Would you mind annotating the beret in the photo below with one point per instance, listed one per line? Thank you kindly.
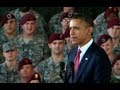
(109, 11)
(64, 15)
(6, 17)
(55, 36)
(112, 22)
(23, 62)
(27, 17)
(103, 38)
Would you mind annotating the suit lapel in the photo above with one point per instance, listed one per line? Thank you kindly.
(83, 63)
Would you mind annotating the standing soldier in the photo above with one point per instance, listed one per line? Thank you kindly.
(8, 69)
(105, 42)
(30, 44)
(52, 68)
(55, 23)
(21, 11)
(8, 31)
(100, 23)
(114, 31)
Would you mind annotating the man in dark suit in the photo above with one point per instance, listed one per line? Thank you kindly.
(94, 65)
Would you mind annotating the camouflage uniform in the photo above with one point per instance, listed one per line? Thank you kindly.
(54, 24)
(3, 39)
(41, 23)
(100, 27)
(36, 49)
(7, 75)
(114, 79)
(116, 50)
(50, 70)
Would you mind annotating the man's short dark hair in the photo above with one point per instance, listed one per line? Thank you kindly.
(88, 20)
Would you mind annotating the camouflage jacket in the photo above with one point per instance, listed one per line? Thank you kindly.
(3, 39)
(7, 75)
(50, 70)
(41, 23)
(100, 26)
(116, 50)
(36, 49)
(114, 79)
(54, 23)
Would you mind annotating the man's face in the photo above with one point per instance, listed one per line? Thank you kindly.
(65, 23)
(29, 27)
(57, 46)
(10, 55)
(108, 46)
(26, 71)
(10, 26)
(79, 32)
(114, 32)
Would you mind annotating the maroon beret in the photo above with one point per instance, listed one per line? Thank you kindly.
(64, 15)
(6, 17)
(55, 36)
(112, 22)
(27, 17)
(23, 62)
(67, 33)
(103, 38)
(116, 59)
(109, 11)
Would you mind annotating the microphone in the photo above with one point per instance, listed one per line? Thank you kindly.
(70, 71)
(62, 71)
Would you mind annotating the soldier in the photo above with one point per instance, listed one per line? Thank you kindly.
(115, 78)
(100, 23)
(27, 73)
(8, 31)
(8, 69)
(21, 11)
(114, 31)
(68, 43)
(50, 68)
(30, 44)
(55, 24)
(105, 42)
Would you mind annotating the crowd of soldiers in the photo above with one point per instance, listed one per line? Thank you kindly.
(31, 50)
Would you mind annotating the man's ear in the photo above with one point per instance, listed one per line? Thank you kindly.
(90, 30)
(49, 45)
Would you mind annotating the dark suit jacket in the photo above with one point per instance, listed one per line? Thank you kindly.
(95, 66)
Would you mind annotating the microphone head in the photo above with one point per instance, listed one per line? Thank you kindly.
(62, 65)
(71, 64)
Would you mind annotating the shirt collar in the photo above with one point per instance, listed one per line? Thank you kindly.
(86, 46)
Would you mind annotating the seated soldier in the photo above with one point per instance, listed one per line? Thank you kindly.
(27, 73)
(115, 78)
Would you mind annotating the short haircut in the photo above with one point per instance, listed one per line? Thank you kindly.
(86, 18)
